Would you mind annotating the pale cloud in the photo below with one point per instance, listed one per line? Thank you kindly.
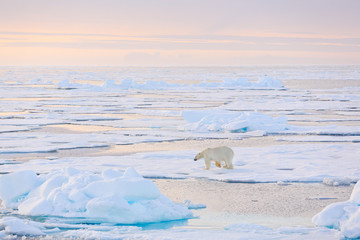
(179, 32)
(338, 44)
(169, 50)
(169, 41)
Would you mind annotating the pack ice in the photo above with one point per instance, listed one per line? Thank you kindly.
(264, 82)
(108, 197)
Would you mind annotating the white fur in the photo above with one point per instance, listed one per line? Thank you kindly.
(217, 155)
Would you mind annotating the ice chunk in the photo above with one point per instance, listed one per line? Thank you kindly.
(221, 120)
(344, 216)
(337, 181)
(109, 197)
(21, 227)
(351, 227)
(128, 83)
(14, 186)
(194, 205)
(110, 84)
(36, 207)
(332, 215)
(240, 82)
(282, 183)
(355, 195)
(269, 82)
(66, 84)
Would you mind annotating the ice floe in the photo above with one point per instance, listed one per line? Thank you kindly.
(286, 163)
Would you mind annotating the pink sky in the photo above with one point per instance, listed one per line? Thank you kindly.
(179, 32)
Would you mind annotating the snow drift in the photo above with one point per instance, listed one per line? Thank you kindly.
(110, 197)
(344, 216)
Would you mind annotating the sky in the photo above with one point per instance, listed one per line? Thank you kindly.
(179, 32)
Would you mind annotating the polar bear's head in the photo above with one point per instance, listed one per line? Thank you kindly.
(199, 156)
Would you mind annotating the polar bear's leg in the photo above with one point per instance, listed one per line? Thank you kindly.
(207, 164)
(218, 164)
(230, 166)
(228, 163)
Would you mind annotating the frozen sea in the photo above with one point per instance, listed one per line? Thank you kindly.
(286, 124)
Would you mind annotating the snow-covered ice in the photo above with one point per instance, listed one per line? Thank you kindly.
(287, 163)
(159, 103)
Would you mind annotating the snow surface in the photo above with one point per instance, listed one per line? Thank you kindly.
(288, 163)
(344, 216)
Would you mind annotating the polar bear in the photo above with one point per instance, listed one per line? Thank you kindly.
(217, 155)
